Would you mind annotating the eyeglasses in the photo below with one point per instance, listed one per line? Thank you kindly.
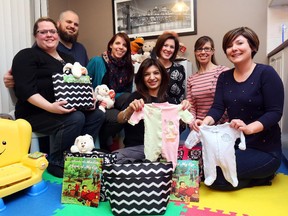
(45, 32)
(206, 49)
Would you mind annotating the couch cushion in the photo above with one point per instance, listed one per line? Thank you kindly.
(14, 173)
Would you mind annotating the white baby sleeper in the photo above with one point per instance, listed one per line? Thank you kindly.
(218, 150)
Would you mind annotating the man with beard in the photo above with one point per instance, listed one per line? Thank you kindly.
(68, 30)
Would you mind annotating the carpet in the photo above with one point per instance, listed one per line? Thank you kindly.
(256, 201)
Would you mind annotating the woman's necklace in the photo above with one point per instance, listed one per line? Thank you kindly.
(58, 57)
(243, 76)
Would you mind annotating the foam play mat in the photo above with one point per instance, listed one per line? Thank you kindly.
(256, 201)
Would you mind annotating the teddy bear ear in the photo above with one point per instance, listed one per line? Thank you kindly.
(97, 89)
(76, 140)
(90, 137)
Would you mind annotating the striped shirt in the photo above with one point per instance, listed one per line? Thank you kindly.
(201, 90)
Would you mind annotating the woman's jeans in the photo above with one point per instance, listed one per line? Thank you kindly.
(252, 166)
(64, 128)
(130, 154)
(111, 126)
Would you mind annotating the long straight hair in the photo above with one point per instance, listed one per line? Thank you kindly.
(140, 84)
(161, 41)
(127, 56)
(200, 43)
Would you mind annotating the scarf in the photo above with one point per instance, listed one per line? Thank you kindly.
(118, 73)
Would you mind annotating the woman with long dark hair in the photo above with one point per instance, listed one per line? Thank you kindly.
(113, 68)
(152, 81)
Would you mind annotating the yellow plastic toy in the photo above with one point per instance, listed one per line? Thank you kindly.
(18, 169)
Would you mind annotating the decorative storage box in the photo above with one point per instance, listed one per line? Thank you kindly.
(138, 188)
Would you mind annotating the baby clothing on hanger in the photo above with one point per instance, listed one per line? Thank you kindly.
(218, 150)
(161, 122)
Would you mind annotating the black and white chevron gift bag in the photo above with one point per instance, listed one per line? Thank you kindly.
(78, 94)
(138, 188)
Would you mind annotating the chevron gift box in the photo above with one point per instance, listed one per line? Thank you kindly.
(138, 188)
(78, 92)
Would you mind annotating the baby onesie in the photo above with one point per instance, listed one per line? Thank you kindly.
(218, 150)
(161, 135)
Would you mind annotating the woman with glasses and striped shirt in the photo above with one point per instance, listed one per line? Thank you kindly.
(201, 85)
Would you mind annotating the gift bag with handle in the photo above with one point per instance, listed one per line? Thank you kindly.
(75, 89)
(138, 187)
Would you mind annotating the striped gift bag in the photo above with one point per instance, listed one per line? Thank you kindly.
(77, 92)
(138, 188)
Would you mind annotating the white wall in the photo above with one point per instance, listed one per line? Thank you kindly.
(277, 16)
(16, 19)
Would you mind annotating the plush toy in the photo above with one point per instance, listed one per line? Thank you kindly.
(147, 49)
(137, 58)
(77, 70)
(105, 96)
(83, 144)
(136, 45)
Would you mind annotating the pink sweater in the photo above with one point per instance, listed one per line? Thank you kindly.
(201, 90)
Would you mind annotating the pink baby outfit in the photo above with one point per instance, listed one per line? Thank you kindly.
(161, 136)
(218, 150)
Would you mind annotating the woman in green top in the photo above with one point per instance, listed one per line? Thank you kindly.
(115, 69)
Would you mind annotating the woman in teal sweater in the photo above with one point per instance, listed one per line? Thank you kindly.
(115, 69)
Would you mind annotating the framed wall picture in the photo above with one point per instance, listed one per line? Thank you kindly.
(150, 18)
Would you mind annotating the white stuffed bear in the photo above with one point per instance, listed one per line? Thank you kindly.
(76, 69)
(147, 49)
(105, 96)
(137, 57)
(83, 144)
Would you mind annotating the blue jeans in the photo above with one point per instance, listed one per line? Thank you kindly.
(111, 126)
(63, 129)
(252, 165)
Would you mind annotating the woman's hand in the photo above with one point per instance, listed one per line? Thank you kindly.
(196, 124)
(251, 128)
(185, 105)
(237, 124)
(8, 79)
(136, 105)
(208, 120)
(57, 108)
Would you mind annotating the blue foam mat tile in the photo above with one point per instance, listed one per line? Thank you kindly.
(43, 204)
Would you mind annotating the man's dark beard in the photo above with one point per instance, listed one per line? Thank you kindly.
(66, 37)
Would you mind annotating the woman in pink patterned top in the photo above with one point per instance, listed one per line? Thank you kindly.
(201, 85)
